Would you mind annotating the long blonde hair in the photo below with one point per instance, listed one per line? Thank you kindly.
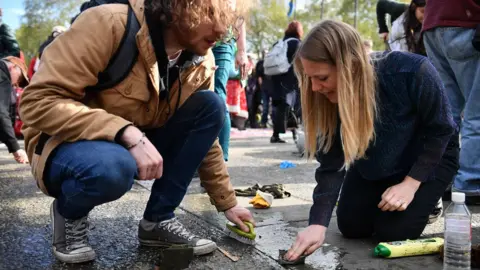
(340, 45)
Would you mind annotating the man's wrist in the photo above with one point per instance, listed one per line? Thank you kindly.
(118, 136)
(130, 136)
(230, 207)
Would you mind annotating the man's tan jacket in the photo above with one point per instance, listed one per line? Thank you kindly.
(55, 108)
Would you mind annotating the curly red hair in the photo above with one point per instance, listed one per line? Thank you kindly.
(189, 14)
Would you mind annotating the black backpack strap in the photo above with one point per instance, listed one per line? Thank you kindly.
(124, 58)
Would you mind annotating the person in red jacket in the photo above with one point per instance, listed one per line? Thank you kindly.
(31, 67)
(451, 35)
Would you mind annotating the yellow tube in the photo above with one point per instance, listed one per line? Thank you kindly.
(408, 248)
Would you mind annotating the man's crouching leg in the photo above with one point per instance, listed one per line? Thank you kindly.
(183, 142)
(82, 175)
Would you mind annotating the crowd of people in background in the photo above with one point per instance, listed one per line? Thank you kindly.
(14, 77)
(256, 100)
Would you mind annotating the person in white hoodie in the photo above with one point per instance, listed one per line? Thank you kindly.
(56, 31)
(405, 33)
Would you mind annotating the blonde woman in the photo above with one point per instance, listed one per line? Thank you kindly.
(384, 129)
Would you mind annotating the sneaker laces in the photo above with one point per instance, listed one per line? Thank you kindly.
(174, 226)
(76, 233)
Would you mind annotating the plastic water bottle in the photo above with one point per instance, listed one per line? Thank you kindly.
(458, 234)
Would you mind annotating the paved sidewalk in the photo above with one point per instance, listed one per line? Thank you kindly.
(25, 230)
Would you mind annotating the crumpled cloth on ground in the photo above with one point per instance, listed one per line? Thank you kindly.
(262, 200)
(276, 190)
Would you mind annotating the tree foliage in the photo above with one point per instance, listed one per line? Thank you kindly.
(269, 18)
(266, 24)
(39, 19)
(366, 19)
(316, 11)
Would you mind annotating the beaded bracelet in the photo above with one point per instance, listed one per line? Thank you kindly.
(139, 141)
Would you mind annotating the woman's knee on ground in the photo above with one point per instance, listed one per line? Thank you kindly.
(352, 226)
(397, 231)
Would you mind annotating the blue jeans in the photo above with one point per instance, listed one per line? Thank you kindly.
(451, 52)
(84, 174)
(223, 60)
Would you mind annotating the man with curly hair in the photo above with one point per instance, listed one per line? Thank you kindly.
(161, 122)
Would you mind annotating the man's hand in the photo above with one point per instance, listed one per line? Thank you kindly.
(20, 156)
(241, 61)
(399, 197)
(149, 161)
(307, 242)
(238, 215)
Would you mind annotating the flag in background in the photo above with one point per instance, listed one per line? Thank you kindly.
(290, 8)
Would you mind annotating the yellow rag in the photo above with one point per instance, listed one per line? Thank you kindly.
(262, 200)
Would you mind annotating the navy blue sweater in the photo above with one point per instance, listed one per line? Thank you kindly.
(413, 127)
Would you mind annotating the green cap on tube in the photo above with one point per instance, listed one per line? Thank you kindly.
(381, 251)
